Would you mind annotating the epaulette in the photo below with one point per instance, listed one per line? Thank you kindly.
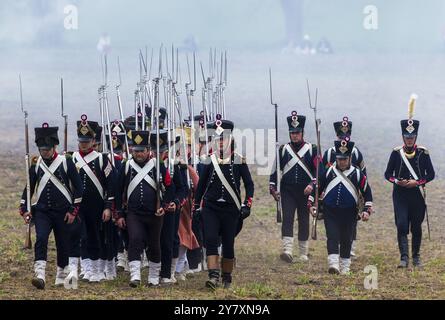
(398, 148)
(34, 160)
(69, 152)
(424, 149)
(68, 156)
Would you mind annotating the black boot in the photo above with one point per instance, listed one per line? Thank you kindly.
(213, 281)
(403, 248)
(415, 247)
(227, 266)
(227, 280)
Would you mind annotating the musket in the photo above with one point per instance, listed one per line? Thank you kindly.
(65, 117)
(141, 91)
(224, 84)
(317, 129)
(119, 104)
(28, 242)
(158, 156)
(277, 150)
(107, 113)
(204, 108)
(426, 213)
(190, 94)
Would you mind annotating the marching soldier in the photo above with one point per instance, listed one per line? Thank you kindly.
(56, 183)
(341, 185)
(111, 238)
(138, 208)
(195, 259)
(96, 172)
(218, 197)
(170, 224)
(409, 169)
(187, 237)
(184, 238)
(343, 129)
(298, 161)
(118, 237)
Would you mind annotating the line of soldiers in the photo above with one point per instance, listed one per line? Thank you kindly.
(345, 193)
(104, 210)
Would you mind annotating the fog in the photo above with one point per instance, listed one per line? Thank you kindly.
(369, 77)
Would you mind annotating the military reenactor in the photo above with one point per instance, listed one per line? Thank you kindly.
(111, 238)
(343, 129)
(204, 148)
(188, 242)
(297, 160)
(341, 184)
(218, 197)
(409, 169)
(138, 208)
(170, 224)
(58, 189)
(96, 172)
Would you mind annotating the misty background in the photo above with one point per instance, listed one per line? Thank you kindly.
(369, 77)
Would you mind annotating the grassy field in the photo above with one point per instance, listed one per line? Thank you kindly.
(259, 274)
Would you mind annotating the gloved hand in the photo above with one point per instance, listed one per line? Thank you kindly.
(245, 211)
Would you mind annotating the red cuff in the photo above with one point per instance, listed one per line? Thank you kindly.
(362, 183)
(74, 211)
(167, 179)
(421, 182)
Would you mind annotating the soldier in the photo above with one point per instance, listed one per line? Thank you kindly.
(189, 243)
(110, 241)
(197, 258)
(96, 172)
(138, 207)
(343, 129)
(298, 161)
(341, 185)
(58, 189)
(119, 236)
(409, 169)
(170, 224)
(218, 197)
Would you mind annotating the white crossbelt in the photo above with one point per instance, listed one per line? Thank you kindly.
(142, 174)
(82, 163)
(408, 165)
(224, 181)
(339, 179)
(49, 176)
(295, 160)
